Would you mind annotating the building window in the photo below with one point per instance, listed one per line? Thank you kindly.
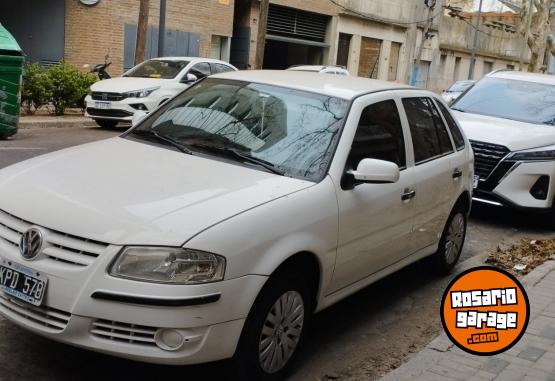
(488, 67)
(457, 72)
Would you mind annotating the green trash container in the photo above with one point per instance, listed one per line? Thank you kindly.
(12, 61)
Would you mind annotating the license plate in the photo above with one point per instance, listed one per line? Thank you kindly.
(475, 182)
(22, 282)
(103, 105)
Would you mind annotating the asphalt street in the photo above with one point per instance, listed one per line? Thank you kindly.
(360, 338)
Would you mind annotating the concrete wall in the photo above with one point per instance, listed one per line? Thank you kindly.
(365, 28)
(93, 32)
(495, 50)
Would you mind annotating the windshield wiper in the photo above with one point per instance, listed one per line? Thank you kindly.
(161, 138)
(244, 157)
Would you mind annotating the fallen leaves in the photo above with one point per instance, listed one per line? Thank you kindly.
(522, 257)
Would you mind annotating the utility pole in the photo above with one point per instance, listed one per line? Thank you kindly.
(261, 36)
(429, 21)
(141, 32)
(162, 29)
(475, 43)
(528, 25)
(411, 42)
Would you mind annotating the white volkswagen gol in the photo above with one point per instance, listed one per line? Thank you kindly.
(220, 223)
(146, 86)
(509, 118)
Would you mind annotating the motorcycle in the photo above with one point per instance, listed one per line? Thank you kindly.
(100, 69)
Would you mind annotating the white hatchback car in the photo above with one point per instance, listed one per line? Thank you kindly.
(146, 86)
(509, 118)
(220, 223)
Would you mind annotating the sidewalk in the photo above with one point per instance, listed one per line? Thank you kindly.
(532, 358)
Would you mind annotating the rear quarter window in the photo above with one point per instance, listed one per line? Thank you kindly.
(453, 127)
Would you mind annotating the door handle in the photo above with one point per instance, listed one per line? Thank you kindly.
(457, 173)
(408, 194)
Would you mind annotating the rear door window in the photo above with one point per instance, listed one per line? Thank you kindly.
(429, 135)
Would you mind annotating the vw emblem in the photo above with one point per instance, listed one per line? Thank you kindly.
(30, 244)
(104, 96)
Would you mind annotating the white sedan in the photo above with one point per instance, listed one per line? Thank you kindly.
(223, 220)
(146, 86)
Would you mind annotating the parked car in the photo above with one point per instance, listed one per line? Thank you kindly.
(221, 222)
(323, 69)
(509, 118)
(455, 90)
(147, 86)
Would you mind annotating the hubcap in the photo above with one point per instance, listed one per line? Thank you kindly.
(454, 239)
(281, 332)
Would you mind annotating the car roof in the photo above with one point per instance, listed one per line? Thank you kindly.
(524, 76)
(331, 85)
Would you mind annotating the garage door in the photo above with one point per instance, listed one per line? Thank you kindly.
(369, 57)
(38, 27)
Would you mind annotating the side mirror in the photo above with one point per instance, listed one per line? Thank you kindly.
(137, 117)
(376, 172)
(190, 78)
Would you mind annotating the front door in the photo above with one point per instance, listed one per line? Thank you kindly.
(375, 220)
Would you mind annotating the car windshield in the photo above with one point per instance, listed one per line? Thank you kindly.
(290, 131)
(522, 101)
(165, 69)
(459, 87)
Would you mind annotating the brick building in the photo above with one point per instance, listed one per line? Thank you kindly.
(51, 30)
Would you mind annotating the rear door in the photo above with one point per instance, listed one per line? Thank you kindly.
(434, 167)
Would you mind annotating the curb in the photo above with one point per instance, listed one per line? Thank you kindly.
(26, 123)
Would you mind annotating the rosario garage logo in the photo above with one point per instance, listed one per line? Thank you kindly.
(485, 311)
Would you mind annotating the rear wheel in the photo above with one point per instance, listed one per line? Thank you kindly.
(451, 242)
(274, 329)
(105, 123)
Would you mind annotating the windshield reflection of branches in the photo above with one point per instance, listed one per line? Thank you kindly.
(308, 144)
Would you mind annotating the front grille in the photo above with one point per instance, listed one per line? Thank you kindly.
(124, 332)
(57, 247)
(108, 113)
(486, 157)
(45, 316)
(105, 96)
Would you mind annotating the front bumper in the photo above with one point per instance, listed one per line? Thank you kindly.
(510, 185)
(206, 331)
(122, 111)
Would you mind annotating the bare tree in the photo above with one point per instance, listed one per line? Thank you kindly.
(537, 33)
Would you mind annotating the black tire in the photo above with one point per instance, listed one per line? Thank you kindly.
(247, 359)
(444, 260)
(106, 123)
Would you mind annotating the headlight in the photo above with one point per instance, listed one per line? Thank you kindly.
(542, 154)
(168, 265)
(140, 93)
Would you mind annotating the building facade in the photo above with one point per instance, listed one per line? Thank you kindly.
(51, 30)
(392, 40)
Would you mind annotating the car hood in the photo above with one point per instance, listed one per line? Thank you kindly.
(509, 133)
(124, 84)
(125, 192)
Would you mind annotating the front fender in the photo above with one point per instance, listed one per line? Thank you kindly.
(258, 241)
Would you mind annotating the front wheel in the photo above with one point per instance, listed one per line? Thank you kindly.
(274, 329)
(451, 242)
(105, 123)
